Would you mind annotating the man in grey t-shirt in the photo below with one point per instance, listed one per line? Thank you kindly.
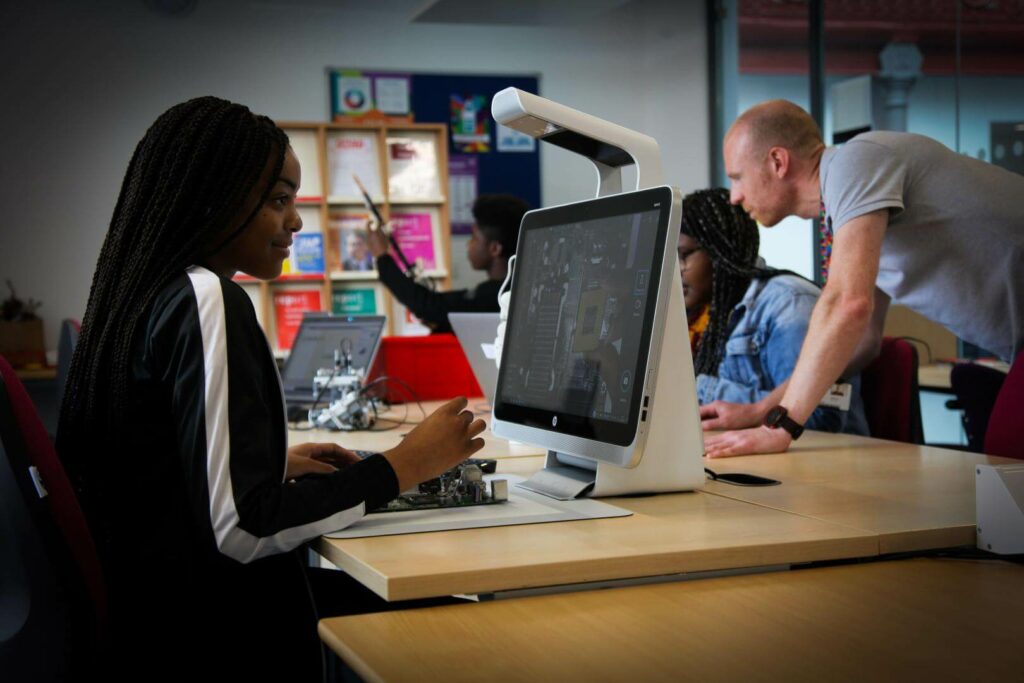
(914, 223)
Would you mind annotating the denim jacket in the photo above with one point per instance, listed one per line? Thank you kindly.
(767, 329)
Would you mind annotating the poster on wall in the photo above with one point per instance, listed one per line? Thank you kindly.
(412, 167)
(354, 301)
(289, 307)
(353, 95)
(349, 249)
(360, 95)
(414, 233)
(511, 140)
(307, 258)
(392, 94)
(353, 153)
(470, 123)
(462, 191)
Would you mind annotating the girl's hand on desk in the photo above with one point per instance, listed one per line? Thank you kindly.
(317, 458)
(442, 441)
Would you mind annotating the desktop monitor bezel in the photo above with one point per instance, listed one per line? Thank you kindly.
(619, 436)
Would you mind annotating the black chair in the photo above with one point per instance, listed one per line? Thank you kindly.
(976, 387)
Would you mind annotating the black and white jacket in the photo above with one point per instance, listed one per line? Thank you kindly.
(210, 388)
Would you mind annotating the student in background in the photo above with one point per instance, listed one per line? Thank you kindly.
(493, 242)
(173, 428)
(747, 322)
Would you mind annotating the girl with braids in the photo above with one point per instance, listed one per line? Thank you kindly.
(747, 322)
(173, 424)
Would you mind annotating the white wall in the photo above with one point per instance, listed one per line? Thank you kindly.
(82, 81)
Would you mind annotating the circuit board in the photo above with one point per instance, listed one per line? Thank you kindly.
(461, 486)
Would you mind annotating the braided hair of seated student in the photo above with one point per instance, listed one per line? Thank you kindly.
(184, 197)
(730, 238)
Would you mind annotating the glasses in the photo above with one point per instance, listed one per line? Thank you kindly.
(684, 257)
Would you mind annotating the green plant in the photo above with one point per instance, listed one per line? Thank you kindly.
(14, 309)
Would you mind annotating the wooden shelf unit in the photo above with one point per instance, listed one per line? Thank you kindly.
(312, 139)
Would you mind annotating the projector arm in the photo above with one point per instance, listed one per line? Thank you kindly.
(609, 146)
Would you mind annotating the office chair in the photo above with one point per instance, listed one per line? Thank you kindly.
(1005, 435)
(889, 388)
(69, 330)
(54, 608)
(976, 387)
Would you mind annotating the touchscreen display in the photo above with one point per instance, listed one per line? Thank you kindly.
(577, 320)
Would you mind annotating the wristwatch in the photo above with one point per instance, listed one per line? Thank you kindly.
(779, 417)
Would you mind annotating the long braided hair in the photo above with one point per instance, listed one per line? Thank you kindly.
(183, 198)
(729, 237)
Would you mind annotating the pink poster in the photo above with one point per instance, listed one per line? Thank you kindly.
(414, 233)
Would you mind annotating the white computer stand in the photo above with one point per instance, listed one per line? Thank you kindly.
(672, 438)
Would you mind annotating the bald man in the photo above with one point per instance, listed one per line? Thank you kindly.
(914, 223)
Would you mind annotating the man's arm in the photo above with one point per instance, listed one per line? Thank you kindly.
(871, 342)
(839, 322)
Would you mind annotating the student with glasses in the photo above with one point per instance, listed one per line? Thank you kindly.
(747, 322)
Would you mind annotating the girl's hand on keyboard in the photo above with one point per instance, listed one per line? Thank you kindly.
(317, 458)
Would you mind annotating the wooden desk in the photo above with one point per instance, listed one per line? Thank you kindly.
(667, 534)
(934, 377)
(912, 497)
(843, 497)
(908, 620)
(937, 377)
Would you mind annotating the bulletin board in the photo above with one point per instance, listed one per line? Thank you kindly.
(483, 157)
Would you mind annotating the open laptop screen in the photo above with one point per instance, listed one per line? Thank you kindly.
(317, 340)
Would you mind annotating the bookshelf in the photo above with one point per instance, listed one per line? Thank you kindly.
(405, 169)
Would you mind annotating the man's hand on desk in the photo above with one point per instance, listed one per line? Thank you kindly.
(747, 442)
(724, 415)
(442, 441)
(317, 458)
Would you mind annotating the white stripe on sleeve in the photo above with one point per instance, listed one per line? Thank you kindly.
(231, 540)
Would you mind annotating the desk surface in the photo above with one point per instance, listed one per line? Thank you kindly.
(912, 497)
(936, 377)
(858, 622)
(842, 497)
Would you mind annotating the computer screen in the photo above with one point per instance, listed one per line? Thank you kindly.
(585, 288)
(317, 340)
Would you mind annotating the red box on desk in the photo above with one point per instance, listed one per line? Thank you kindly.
(434, 367)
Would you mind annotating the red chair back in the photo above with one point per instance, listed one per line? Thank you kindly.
(1005, 435)
(27, 444)
(889, 388)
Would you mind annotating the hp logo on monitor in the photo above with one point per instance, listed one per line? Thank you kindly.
(554, 421)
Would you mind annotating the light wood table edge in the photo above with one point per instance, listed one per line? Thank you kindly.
(363, 573)
(365, 667)
(927, 539)
(342, 650)
(511, 579)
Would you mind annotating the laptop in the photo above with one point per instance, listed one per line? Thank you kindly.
(476, 333)
(314, 346)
